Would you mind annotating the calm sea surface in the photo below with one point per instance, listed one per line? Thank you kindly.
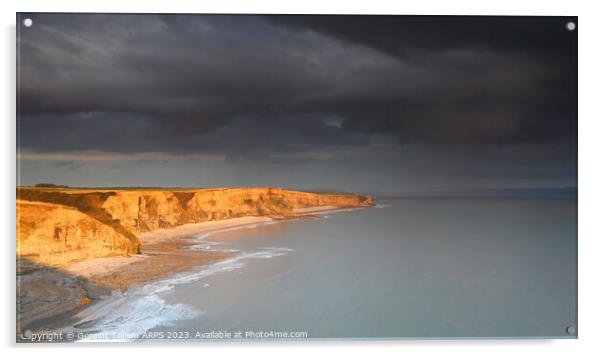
(411, 268)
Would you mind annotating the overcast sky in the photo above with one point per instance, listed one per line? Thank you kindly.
(379, 104)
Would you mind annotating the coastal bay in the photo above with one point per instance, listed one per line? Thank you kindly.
(50, 295)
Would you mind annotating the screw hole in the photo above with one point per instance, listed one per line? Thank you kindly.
(27, 22)
(571, 26)
(570, 330)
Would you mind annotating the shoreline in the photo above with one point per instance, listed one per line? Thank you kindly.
(48, 297)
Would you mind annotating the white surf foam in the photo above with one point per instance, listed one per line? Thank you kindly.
(239, 227)
(211, 246)
(128, 316)
(381, 206)
(142, 315)
(214, 246)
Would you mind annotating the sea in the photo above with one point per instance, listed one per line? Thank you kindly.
(412, 268)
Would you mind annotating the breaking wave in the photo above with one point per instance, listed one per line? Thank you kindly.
(127, 316)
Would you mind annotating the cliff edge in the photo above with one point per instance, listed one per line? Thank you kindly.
(56, 226)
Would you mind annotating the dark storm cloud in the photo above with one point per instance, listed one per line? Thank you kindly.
(400, 36)
(247, 85)
(498, 79)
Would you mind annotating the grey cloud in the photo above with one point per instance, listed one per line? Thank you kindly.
(189, 75)
(301, 88)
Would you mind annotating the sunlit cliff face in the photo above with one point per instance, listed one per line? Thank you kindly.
(55, 227)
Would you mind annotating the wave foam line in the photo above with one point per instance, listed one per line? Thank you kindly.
(140, 309)
(213, 246)
(206, 234)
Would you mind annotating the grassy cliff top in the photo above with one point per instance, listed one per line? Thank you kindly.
(76, 190)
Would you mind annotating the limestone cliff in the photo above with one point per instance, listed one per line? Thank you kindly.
(57, 226)
(141, 211)
(52, 234)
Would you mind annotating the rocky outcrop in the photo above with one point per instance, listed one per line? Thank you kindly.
(61, 225)
(54, 235)
(140, 211)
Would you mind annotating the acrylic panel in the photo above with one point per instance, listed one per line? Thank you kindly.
(197, 177)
